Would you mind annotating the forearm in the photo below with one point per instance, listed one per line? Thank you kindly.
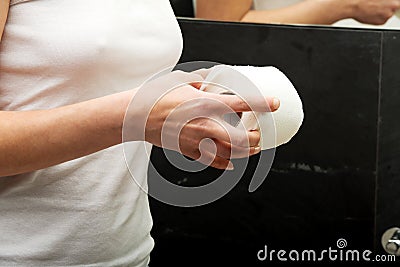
(32, 140)
(222, 10)
(306, 12)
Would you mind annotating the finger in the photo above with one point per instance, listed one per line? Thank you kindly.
(210, 159)
(222, 164)
(395, 5)
(254, 138)
(237, 104)
(223, 131)
(228, 151)
(216, 161)
(251, 138)
(196, 85)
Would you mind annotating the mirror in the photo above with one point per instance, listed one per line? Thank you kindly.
(374, 14)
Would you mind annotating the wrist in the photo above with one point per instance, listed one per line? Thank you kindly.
(348, 8)
(339, 9)
(121, 104)
(109, 112)
(131, 115)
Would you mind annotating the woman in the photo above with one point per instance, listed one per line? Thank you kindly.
(67, 73)
(298, 11)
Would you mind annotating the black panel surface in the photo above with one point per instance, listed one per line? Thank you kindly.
(322, 184)
(388, 182)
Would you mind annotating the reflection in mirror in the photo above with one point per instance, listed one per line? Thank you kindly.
(340, 13)
(183, 8)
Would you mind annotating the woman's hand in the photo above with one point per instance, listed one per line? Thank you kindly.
(373, 11)
(191, 122)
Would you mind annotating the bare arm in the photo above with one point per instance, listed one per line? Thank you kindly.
(305, 12)
(4, 5)
(225, 10)
(32, 140)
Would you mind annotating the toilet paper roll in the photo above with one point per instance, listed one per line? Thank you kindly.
(277, 127)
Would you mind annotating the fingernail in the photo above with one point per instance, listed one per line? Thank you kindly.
(276, 103)
(230, 167)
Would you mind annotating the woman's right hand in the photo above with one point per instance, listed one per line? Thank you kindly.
(375, 12)
(191, 122)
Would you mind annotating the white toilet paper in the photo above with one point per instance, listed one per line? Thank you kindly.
(277, 127)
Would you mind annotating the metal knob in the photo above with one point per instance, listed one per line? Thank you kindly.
(391, 241)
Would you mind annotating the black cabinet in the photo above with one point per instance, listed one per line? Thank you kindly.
(339, 178)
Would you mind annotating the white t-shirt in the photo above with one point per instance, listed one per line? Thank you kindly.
(89, 211)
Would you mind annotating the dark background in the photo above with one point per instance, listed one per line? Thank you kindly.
(339, 176)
